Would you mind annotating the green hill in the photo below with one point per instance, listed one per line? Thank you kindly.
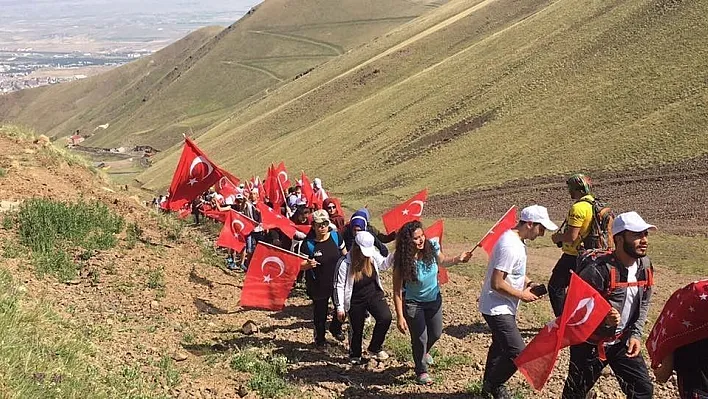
(470, 94)
(207, 76)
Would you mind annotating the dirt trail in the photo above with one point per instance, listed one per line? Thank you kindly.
(197, 312)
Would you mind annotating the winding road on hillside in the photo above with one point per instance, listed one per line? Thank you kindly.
(334, 48)
(254, 68)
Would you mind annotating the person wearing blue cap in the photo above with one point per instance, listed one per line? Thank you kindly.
(360, 222)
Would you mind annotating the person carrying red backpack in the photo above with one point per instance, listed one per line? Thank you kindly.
(625, 278)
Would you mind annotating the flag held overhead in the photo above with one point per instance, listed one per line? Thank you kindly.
(406, 212)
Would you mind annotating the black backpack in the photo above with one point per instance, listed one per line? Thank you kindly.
(600, 234)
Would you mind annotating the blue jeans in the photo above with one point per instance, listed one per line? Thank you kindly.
(424, 321)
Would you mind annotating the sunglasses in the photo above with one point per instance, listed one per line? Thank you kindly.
(331, 207)
(323, 224)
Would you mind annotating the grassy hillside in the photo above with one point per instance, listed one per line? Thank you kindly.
(210, 75)
(478, 93)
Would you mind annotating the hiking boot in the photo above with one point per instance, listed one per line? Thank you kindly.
(321, 346)
(356, 361)
(499, 392)
(380, 355)
(338, 335)
(424, 379)
(428, 359)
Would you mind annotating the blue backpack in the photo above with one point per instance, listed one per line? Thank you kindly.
(310, 242)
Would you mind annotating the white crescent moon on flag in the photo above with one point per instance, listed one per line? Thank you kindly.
(282, 172)
(420, 204)
(197, 161)
(223, 181)
(277, 261)
(239, 223)
(589, 305)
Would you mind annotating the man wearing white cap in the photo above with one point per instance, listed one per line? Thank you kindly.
(505, 285)
(625, 279)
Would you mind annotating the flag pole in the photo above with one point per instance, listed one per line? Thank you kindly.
(284, 250)
(282, 192)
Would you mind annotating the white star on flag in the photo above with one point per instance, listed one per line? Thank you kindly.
(687, 323)
(691, 309)
(552, 325)
(703, 297)
(192, 181)
(267, 279)
(663, 331)
(405, 211)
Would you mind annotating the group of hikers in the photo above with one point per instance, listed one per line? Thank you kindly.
(345, 260)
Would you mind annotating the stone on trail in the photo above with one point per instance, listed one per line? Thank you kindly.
(179, 356)
(249, 327)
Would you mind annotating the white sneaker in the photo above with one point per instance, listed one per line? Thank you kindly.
(381, 355)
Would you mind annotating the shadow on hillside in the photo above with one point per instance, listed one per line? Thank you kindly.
(461, 331)
(290, 327)
(302, 312)
(359, 379)
(208, 308)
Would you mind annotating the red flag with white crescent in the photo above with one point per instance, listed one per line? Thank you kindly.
(583, 312)
(434, 232)
(270, 277)
(406, 212)
(683, 321)
(194, 174)
(271, 219)
(307, 192)
(235, 230)
(227, 185)
(282, 175)
(506, 222)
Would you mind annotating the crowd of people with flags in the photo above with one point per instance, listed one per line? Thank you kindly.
(280, 232)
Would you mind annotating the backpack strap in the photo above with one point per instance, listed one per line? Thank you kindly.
(335, 237)
(647, 282)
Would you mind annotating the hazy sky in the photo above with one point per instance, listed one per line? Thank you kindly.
(67, 22)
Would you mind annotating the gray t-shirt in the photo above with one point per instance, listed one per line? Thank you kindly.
(508, 255)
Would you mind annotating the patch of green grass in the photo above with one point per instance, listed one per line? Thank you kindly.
(54, 229)
(685, 255)
(171, 226)
(169, 371)
(450, 361)
(8, 221)
(267, 372)
(43, 355)
(3, 172)
(156, 279)
(474, 388)
(399, 346)
(133, 234)
(11, 249)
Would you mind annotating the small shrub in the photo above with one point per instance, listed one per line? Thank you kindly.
(8, 221)
(133, 234)
(3, 172)
(11, 249)
(267, 372)
(156, 279)
(171, 226)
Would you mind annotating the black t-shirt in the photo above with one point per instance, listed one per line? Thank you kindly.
(365, 288)
(321, 278)
(691, 365)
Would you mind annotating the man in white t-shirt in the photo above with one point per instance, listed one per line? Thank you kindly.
(505, 285)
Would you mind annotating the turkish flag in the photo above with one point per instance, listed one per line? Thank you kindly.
(406, 212)
(183, 213)
(194, 174)
(282, 174)
(583, 312)
(236, 228)
(227, 185)
(307, 191)
(270, 277)
(434, 232)
(215, 214)
(683, 321)
(500, 227)
(274, 220)
(274, 187)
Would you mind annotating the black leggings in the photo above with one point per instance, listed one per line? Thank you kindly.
(320, 308)
(377, 306)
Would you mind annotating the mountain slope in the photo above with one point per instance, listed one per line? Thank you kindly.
(513, 89)
(209, 79)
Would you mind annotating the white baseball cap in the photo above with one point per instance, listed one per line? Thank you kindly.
(365, 241)
(538, 214)
(630, 221)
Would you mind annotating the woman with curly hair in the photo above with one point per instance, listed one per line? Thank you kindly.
(416, 293)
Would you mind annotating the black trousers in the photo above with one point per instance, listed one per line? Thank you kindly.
(585, 368)
(560, 279)
(377, 306)
(320, 308)
(507, 344)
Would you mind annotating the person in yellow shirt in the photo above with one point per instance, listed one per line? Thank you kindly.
(577, 226)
